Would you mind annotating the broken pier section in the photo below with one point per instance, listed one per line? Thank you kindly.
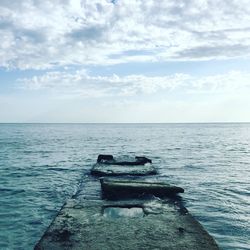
(128, 209)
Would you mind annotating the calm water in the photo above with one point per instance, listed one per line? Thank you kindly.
(41, 166)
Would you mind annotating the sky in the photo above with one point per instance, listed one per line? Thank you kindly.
(124, 61)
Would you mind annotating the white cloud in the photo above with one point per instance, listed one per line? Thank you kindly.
(42, 34)
(81, 84)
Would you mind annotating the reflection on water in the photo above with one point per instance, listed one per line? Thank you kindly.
(41, 165)
(118, 212)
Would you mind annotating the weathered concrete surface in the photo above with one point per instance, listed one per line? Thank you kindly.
(88, 222)
(83, 224)
(128, 188)
(116, 170)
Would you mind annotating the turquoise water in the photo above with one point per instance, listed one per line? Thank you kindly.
(41, 165)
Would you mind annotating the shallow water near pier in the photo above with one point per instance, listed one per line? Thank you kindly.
(118, 212)
(41, 166)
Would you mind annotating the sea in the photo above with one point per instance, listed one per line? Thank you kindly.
(41, 166)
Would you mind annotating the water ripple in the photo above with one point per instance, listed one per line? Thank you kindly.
(41, 165)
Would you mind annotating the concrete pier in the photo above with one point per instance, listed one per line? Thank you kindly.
(146, 218)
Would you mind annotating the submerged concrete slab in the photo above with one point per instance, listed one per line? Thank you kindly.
(130, 188)
(155, 224)
(117, 170)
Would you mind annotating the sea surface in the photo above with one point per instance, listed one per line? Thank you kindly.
(41, 166)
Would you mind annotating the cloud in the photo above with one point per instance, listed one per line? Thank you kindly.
(225, 51)
(44, 34)
(82, 85)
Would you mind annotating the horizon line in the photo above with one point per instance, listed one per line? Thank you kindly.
(216, 122)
